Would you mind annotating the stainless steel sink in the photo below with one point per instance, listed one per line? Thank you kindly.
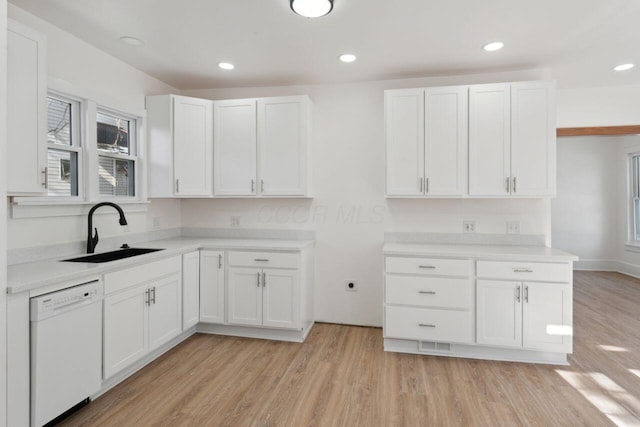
(113, 255)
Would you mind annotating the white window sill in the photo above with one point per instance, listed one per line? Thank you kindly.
(25, 208)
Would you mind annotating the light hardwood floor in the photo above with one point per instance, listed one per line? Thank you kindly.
(341, 377)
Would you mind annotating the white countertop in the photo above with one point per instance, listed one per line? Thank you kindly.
(498, 252)
(33, 275)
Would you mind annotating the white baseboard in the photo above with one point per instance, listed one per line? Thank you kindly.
(621, 267)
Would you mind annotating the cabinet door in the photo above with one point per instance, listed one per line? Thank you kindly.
(499, 313)
(165, 311)
(245, 296)
(489, 140)
(212, 287)
(235, 148)
(533, 138)
(27, 111)
(446, 141)
(193, 146)
(190, 289)
(547, 321)
(283, 132)
(404, 134)
(125, 329)
(281, 299)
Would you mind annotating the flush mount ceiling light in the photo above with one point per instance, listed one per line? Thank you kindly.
(226, 66)
(623, 67)
(131, 41)
(493, 46)
(311, 8)
(347, 57)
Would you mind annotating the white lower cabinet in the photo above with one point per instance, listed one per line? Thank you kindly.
(140, 317)
(190, 289)
(212, 285)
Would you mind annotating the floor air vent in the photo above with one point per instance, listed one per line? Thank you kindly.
(431, 346)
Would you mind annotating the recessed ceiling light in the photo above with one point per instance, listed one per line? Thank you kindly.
(311, 8)
(493, 46)
(131, 41)
(347, 57)
(623, 67)
(226, 66)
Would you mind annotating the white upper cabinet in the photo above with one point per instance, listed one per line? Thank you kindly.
(512, 140)
(446, 136)
(26, 112)
(404, 133)
(180, 139)
(489, 140)
(533, 139)
(283, 134)
(235, 148)
(426, 136)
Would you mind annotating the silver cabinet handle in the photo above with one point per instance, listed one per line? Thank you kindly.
(45, 178)
(261, 259)
(427, 292)
(264, 279)
(426, 325)
(426, 185)
(427, 266)
(262, 185)
(522, 270)
(526, 294)
(421, 186)
(518, 294)
(258, 279)
(508, 187)
(219, 261)
(253, 185)
(514, 184)
(177, 185)
(147, 297)
(153, 295)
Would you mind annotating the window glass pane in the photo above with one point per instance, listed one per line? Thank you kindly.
(116, 177)
(62, 173)
(58, 121)
(636, 218)
(113, 133)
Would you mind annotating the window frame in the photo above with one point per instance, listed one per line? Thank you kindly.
(134, 150)
(633, 198)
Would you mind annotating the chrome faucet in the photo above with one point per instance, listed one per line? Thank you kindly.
(92, 241)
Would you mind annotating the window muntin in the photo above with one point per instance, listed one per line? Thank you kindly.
(634, 222)
(64, 153)
(116, 143)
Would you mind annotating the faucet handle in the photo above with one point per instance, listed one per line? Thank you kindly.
(95, 238)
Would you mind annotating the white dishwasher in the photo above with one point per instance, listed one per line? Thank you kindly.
(66, 350)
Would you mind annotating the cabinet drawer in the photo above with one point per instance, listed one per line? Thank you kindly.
(264, 259)
(432, 266)
(429, 324)
(128, 277)
(523, 271)
(426, 291)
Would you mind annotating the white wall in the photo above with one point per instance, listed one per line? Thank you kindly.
(3, 212)
(585, 213)
(349, 211)
(78, 68)
(600, 106)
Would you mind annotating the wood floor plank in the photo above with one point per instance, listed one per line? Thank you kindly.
(341, 377)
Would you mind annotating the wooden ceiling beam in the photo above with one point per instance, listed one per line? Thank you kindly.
(599, 130)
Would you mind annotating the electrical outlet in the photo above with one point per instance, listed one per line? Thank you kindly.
(235, 221)
(513, 227)
(351, 285)
(468, 226)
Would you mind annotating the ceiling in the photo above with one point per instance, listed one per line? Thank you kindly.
(579, 41)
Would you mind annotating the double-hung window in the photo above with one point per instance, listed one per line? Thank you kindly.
(634, 201)
(64, 153)
(117, 154)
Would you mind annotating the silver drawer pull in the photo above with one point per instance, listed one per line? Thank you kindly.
(426, 325)
(427, 292)
(261, 260)
(522, 270)
(426, 266)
